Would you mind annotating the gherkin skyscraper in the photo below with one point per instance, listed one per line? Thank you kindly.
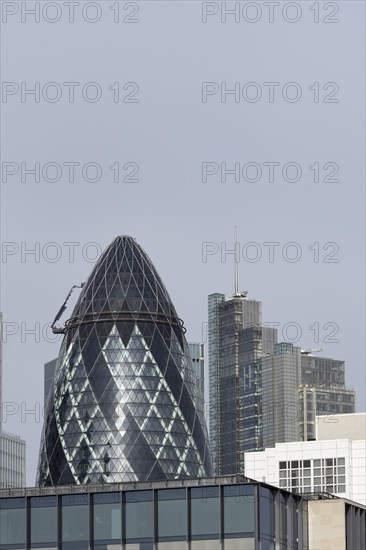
(125, 405)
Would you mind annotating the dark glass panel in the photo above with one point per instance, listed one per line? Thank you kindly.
(75, 521)
(139, 516)
(107, 517)
(266, 512)
(43, 522)
(12, 521)
(172, 514)
(239, 506)
(205, 510)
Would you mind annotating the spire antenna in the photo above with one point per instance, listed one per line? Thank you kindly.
(236, 263)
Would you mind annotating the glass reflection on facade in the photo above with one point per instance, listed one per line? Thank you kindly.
(227, 513)
(106, 519)
(43, 529)
(205, 513)
(125, 404)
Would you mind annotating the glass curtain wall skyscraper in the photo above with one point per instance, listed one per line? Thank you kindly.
(198, 361)
(237, 340)
(263, 392)
(125, 404)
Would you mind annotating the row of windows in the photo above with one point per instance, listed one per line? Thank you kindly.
(326, 474)
(136, 515)
(327, 463)
(145, 516)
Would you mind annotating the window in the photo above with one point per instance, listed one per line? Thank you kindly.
(139, 516)
(12, 521)
(266, 509)
(205, 518)
(239, 503)
(43, 522)
(75, 522)
(283, 520)
(172, 514)
(107, 517)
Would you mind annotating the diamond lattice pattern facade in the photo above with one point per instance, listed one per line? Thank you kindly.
(124, 405)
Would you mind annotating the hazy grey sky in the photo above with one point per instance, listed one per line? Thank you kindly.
(168, 132)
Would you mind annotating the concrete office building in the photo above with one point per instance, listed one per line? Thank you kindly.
(322, 392)
(12, 471)
(296, 387)
(335, 463)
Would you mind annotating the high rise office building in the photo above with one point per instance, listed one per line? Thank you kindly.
(12, 447)
(125, 404)
(198, 360)
(263, 392)
(237, 341)
(281, 376)
(322, 392)
(12, 470)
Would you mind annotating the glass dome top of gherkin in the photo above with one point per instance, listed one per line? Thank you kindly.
(125, 405)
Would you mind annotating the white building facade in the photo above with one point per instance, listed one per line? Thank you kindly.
(12, 447)
(336, 466)
(12, 460)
